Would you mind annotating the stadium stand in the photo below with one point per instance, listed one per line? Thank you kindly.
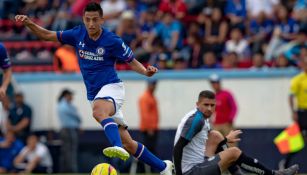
(245, 27)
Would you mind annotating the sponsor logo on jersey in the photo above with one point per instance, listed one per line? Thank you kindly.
(90, 55)
(81, 44)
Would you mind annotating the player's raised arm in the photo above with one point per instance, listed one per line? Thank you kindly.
(138, 67)
(37, 30)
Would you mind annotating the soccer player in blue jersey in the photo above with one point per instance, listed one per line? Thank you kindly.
(97, 50)
(5, 65)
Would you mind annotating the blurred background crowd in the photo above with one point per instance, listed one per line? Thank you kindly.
(172, 34)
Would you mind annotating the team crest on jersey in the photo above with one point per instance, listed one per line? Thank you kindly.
(100, 51)
(81, 53)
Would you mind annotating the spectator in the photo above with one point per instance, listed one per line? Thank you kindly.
(162, 62)
(169, 30)
(112, 9)
(286, 24)
(19, 119)
(258, 62)
(9, 148)
(177, 8)
(236, 12)
(281, 62)
(216, 31)
(179, 62)
(70, 122)
(237, 44)
(300, 11)
(255, 8)
(230, 60)
(149, 116)
(260, 30)
(148, 23)
(129, 31)
(65, 60)
(195, 50)
(226, 107)
(210, 61)
(34, 157)
(209, 5)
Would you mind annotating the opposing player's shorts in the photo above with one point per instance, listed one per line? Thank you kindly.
(114, 92)
(209, 166)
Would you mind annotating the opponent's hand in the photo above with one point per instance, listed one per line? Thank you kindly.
(151, 70)
(23, 18)
(233, 136)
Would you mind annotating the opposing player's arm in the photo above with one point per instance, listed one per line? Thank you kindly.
(177, 154)
(37, 30)
(139, 68)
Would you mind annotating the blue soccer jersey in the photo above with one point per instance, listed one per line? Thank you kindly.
(96, 58)
(4, 59)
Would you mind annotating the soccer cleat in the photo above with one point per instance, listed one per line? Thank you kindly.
(116, 151)
(168, 169)
(289, 171)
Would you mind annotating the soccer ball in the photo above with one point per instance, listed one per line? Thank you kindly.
(104, 169)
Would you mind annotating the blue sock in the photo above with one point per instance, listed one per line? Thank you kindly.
(144, 155)
(111, 130)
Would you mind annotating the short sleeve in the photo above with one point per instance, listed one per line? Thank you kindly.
(4, 59)
(192, 126)
(69, 36)
(122, 52)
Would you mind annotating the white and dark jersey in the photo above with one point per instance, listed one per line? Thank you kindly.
(194, 128)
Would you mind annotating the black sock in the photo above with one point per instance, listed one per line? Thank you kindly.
(288, 159)
(233, 169)
(252, 165)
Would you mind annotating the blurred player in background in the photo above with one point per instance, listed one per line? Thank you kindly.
(298, 96)
(97, 50)
(200, 150)
(226, 107)
(149, 117)
(70, 121)
(5, 65)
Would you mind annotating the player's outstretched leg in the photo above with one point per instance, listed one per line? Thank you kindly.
(236, 156)
(102, 110)
(140, 152)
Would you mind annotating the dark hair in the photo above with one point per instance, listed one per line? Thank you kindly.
(206, 94)
(93, 7)
(64, 93)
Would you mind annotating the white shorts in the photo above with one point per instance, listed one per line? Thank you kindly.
(114, 92)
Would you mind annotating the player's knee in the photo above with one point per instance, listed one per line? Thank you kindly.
(216, 136)
(235, 153)
(99, 114)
